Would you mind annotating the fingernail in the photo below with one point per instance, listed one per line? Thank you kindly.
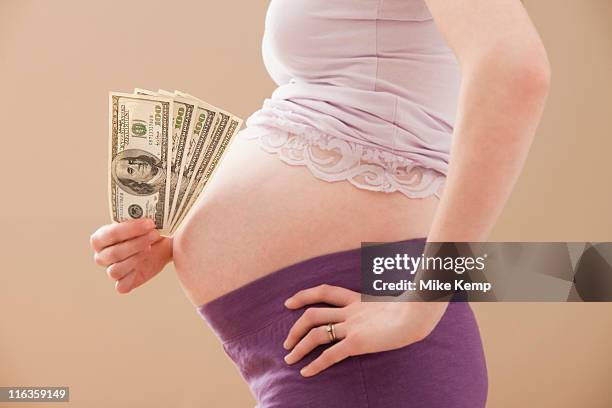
(304, 372)
(286, 345)
(288, 302)
(150, 222)
(287, 359)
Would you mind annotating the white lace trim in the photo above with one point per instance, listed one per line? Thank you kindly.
(333, 159)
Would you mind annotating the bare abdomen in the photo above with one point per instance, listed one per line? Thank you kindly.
(259, 214)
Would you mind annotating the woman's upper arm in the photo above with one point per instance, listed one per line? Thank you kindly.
(478, 30)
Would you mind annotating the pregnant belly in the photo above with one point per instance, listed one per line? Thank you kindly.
(259, 215)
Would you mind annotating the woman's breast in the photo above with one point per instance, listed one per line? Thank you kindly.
(321, 41)
(259, 214)
(390, 47)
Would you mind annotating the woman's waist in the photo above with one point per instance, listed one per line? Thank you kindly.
(262, 299)
(408, 133)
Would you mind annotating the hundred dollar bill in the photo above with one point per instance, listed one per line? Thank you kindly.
(140, 144)
(203, 157)
(216, 133)
(219, 133)
(210, 148)
(206, 168)
(205, 122)
(184, 109)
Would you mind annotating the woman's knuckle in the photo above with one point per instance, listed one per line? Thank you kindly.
(304, 346)
(99, 259)
(353, 308)
(112, 254)
(93, 240)
(111, 234)
(143, 242)
(355, 340)
(112, 271)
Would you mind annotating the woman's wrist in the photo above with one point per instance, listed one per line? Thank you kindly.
(421, 317)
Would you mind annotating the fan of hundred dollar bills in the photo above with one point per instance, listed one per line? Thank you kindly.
(164, 149)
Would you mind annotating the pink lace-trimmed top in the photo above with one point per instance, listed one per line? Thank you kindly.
(367, 93)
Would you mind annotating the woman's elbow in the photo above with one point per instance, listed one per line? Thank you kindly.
(532, 75)
(520, 74)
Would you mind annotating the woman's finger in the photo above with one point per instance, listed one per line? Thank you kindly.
(315, 337)
(333, 295)
(328, 358)
(312, 317)
(120, 269)
(112, 234)
(127, 283)
(124, 250)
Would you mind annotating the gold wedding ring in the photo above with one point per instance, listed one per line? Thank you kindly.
(331, 332)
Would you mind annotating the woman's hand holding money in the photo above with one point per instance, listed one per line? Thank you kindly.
(133, 252)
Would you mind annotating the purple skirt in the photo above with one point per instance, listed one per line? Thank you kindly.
(445, 370)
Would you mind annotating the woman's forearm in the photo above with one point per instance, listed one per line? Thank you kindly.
(500, 106)
(505, 74)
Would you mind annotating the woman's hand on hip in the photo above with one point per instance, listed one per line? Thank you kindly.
(133, 252)
(360, 327)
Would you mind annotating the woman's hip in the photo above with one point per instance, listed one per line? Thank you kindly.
(447, 369)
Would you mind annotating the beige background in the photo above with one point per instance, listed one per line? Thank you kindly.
(61, 322)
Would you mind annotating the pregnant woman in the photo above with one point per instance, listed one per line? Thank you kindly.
(393, 121)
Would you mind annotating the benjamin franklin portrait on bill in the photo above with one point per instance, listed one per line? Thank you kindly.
(138, 172)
